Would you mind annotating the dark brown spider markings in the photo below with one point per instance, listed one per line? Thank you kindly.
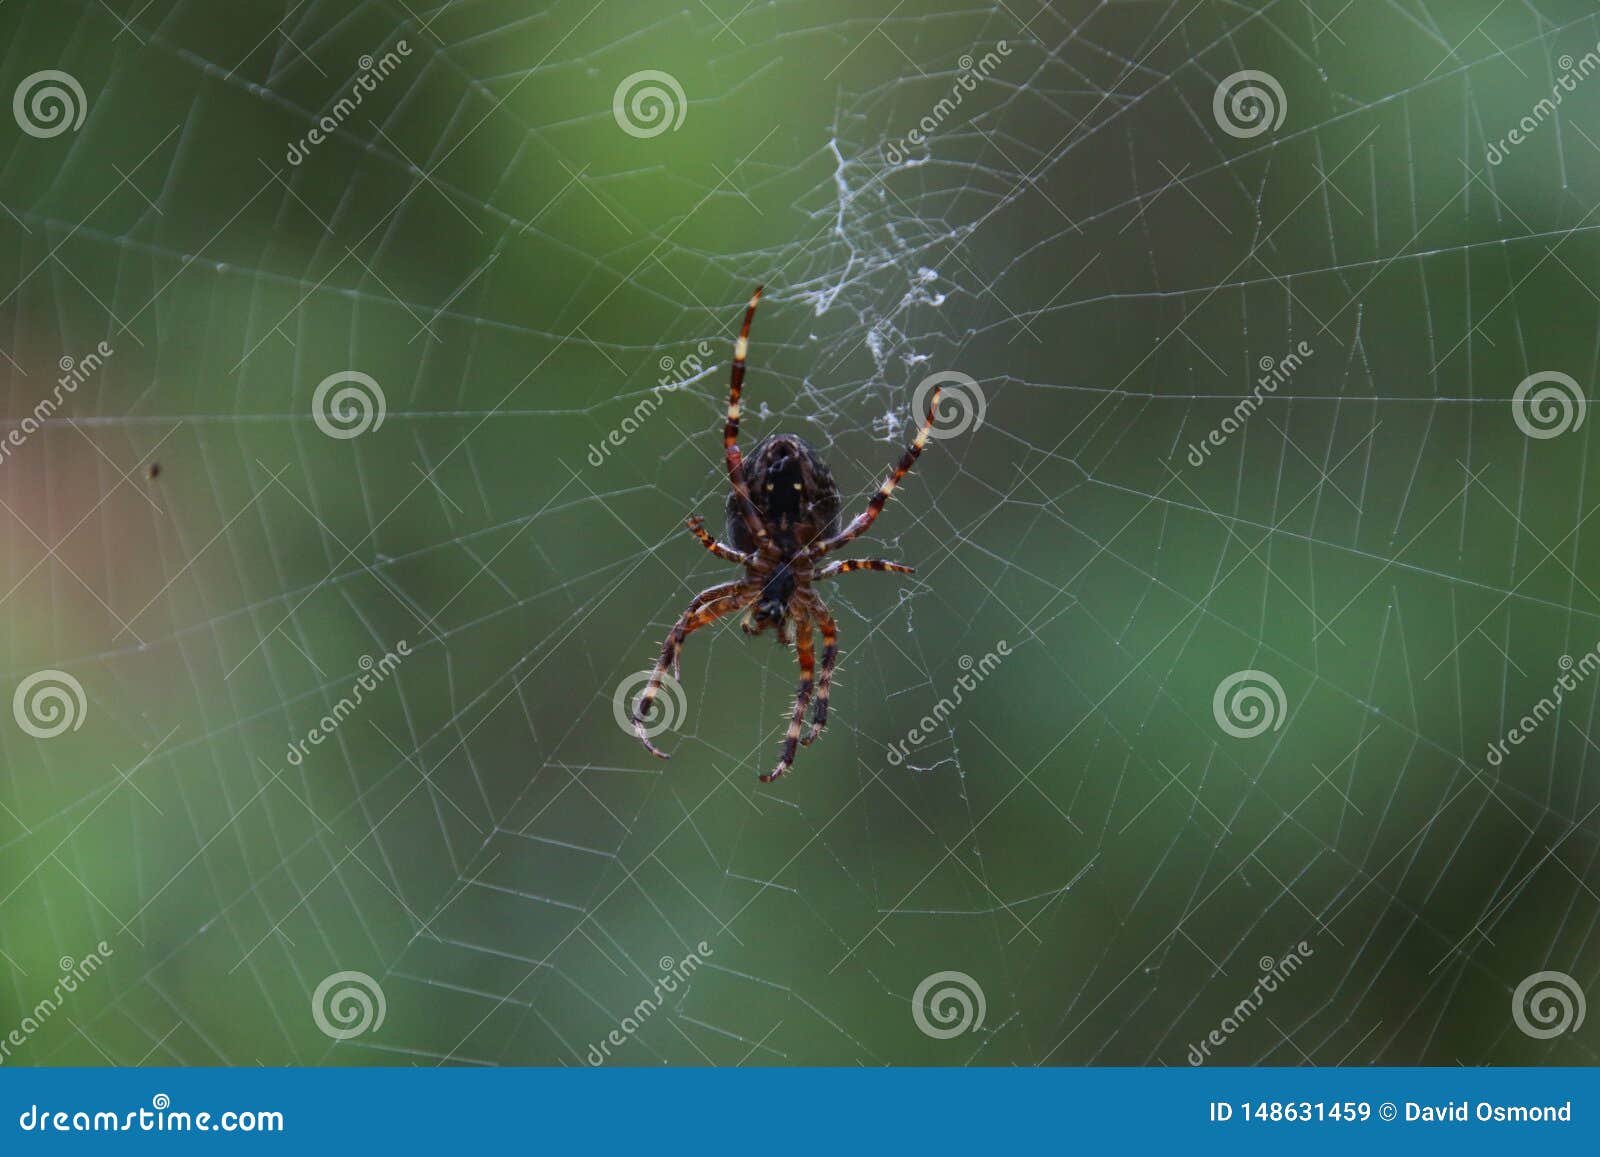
(783, 516)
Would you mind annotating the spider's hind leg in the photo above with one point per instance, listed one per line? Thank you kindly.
(830, 656)
(802, 640)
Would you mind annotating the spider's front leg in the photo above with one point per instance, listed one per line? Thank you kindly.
(802, 646)
(850, 564)
(707, 607)
(697, 527)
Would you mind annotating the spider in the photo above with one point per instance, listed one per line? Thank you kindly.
(782, 517)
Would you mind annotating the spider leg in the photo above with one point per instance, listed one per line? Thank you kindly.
(858, 525)
(848, 565)
(706, 607)
(830, 655)
(802, 645)
(697, 527)
(730, 433)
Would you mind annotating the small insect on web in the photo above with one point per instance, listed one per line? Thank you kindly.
(783, 515)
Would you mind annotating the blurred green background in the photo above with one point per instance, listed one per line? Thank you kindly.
(483, 239)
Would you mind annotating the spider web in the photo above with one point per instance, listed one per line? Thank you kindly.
(1082, 237)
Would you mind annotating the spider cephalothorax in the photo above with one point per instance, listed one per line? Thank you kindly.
(783, 515)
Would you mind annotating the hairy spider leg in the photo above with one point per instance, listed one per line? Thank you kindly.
(707, 607)
(730, 433)
(830, 655)
(802, 646)
(858, 525)
(848, 565)
(697, 527)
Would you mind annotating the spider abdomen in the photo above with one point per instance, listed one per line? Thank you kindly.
(793, 492)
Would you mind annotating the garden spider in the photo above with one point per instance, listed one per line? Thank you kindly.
(783, 515)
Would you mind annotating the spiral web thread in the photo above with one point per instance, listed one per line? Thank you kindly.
(513, 909)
